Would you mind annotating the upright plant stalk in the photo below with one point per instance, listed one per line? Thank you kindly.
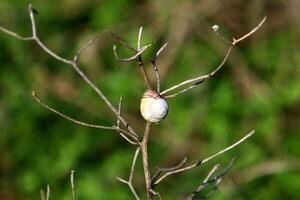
(144, 149)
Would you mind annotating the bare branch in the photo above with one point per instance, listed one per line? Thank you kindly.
(153, 61)
(129, 182)
(210, 180)
(160, 170)
(119, 111)
(34, 95)
(211, 74)
(80, 122)
(204, 183)
(39, 42)
(73, 63)
(73, 185)
(184, 90)
(83, 48)
(119, 39)
(139, 39)
(132, 58)
(15, 34)
(235, 41)
(136, 57)
(200, 162)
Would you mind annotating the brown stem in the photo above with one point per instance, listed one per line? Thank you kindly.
(145, 75)
(144, 148)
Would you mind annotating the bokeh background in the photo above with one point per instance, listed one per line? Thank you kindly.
(258, 88)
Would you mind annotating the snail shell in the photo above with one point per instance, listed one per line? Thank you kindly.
(153, 107)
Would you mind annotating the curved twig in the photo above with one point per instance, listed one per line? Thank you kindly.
(202, 78)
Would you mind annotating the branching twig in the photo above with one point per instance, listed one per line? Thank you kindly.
(129, 182)
(161, 170)
(211, 74)
(137, 56)
(128, 134)
(209, 180)
(71, 62)
(83, 48)
(132, 58)
(200, 162)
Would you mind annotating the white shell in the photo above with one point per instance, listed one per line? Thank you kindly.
(153, 107)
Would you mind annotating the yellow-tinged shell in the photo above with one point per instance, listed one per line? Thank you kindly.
(153, 107)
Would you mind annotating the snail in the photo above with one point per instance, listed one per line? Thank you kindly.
(153, 106)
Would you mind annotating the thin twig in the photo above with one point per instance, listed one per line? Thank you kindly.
(137, 53)
(119, 39)
(129, 182)
(184, 90)
(200, 162)
(209, 180)
(48, 192)
(37, 99)
(83, 48)
(139, 41)
(132, 58)
(72, 180)
(119, 111)
(160, 170)
(153, 61)
(72, 62)
(15, 34)
(202, 186)
(211, 74)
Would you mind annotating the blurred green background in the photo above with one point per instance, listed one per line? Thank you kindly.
(258, 88)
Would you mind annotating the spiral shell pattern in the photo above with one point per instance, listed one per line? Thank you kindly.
(153, 107)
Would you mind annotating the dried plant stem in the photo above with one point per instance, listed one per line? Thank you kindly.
(144, 149)
(200, 162)
(72, 62)
(153, 61)
(136, 57)
(125, 134)
(129, 182)
(200, 79)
